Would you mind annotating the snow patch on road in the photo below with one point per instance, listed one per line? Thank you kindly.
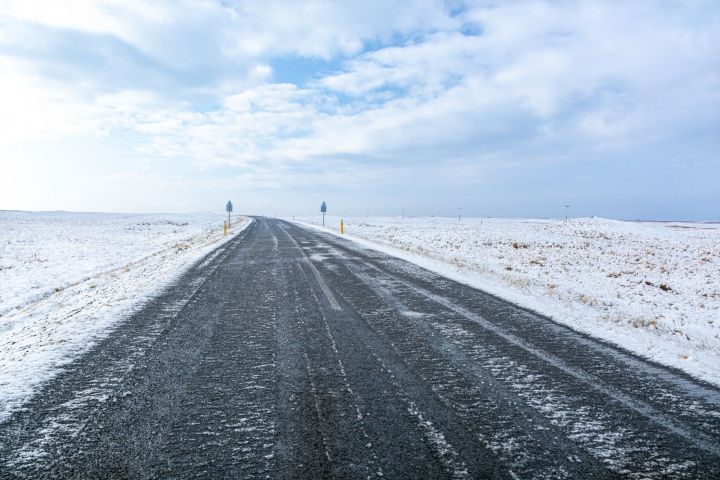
(66, 279)
(652, 288)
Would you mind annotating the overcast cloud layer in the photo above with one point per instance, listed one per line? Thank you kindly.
(502, 108)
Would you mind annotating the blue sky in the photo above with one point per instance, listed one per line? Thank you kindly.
(503, 108)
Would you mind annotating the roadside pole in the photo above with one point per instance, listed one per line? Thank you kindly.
(229, 209)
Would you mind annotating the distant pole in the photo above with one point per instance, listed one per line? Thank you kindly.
(323, 209)
(459, 213)
(566, 212)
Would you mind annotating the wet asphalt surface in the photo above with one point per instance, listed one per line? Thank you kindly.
(289, 353)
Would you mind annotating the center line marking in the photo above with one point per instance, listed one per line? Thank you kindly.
(323, 286)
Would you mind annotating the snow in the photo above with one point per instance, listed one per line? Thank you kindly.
(650, 287)
(66, 279)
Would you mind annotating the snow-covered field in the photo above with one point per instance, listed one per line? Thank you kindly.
(652, 288)
(67, 278)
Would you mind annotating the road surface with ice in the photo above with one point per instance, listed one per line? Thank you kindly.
(296, 354)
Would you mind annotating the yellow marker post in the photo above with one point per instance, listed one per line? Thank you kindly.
(342, 226)
(225, 228)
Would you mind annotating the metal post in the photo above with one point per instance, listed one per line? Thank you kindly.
(228, 209)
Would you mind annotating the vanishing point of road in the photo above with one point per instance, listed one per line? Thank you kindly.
(292, 353)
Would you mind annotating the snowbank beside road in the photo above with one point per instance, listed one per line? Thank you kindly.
(652, 288)
(67, 278)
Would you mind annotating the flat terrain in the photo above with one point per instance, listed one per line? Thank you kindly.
(68, 278)
(650, 287)
(290, 353)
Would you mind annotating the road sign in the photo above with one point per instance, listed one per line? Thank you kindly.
(228, 209)
(323, 209)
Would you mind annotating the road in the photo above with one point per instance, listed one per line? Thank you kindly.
(292, 353)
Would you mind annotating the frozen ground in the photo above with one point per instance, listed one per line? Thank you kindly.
(67, 278)
(653, 288)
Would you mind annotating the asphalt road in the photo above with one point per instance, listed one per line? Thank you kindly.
(290, 353)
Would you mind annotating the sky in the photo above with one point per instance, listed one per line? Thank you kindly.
(501, 108)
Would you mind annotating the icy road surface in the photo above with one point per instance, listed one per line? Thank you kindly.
(67, 279)
(292, 353)
(649, 287)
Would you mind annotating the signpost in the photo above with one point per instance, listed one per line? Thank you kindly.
(323, 209)
(229, 209)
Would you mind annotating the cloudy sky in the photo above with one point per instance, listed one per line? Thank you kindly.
(504, 108)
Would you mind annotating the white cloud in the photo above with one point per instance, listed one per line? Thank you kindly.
(326, 29)
(534, 81)
(33, 108)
